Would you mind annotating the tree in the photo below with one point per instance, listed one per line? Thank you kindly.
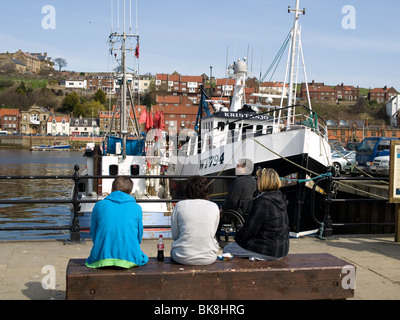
(21, 89)
(70, 101)
(61, 62)
(79, 110)
(360, 106)
(100, 96)
(92, 109)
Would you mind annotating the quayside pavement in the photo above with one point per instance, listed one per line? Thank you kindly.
(27, 266)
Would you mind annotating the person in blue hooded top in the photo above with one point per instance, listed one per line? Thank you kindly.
(117, 229)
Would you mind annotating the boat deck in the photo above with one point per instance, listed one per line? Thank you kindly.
(377, 258)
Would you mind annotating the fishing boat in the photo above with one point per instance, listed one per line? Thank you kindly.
(121, 155)
(289, 138)
(56, 147)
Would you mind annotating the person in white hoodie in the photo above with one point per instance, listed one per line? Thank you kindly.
(194, 222)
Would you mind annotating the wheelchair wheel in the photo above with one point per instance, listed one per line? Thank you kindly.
(231, 221)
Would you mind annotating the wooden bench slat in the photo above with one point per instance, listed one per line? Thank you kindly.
(297, 276)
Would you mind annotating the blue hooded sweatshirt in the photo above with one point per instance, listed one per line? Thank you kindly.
(116, 230)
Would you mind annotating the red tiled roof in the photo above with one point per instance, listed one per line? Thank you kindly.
(320, 89)
(192, 79)
(168, 99)
(162, 76)
(223, 82)
(58, 119)
(9, 112)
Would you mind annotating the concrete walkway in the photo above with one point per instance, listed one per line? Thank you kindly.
(28, 265)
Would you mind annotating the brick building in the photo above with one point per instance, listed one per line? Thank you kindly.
(179, 112)
(175, 84)
(382, 94)
(357, 130)
(345, 92)
(10, 120)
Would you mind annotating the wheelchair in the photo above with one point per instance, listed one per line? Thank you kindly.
(230, 222)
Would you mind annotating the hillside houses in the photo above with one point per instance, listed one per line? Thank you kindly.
(321, 92)
(25, 62)
(382, 94)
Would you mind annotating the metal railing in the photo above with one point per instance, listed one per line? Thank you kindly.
(326, 226)
(75, 201)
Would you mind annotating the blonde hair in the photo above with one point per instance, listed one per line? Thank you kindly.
(268, 179)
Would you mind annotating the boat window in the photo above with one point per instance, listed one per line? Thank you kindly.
(113, 170)
(259, 129)
(247, 127)
(221, 126)
(247, 130)
(134, 170)
(232, 125)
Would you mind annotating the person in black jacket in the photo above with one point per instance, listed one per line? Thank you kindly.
(241, 191)
(265, 233)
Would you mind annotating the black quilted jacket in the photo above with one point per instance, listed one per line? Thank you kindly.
(266, 229)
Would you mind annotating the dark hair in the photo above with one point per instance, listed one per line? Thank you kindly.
(122, 183)
(196, 188)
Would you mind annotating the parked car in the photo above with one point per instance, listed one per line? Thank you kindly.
(352, 146)
(340, 159)
(380, 166)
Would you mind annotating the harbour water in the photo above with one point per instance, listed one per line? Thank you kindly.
(36, 163)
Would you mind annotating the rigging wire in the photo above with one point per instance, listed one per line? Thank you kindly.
(278, 57)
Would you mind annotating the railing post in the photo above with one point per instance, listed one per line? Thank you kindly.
(75, 233)
(327, 233)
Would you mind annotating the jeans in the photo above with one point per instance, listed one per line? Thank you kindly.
(238, 251)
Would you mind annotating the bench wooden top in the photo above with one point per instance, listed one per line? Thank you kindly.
(296, 276)
(307, 261)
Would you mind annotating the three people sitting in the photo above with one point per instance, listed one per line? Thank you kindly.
(117, 227)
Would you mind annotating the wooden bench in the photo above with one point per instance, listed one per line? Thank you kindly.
(296, 276)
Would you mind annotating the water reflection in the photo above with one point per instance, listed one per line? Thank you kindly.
(28, 163)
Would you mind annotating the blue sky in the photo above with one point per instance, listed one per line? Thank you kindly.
(188, 36)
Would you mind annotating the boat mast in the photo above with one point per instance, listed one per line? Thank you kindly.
(123, 86)
(293, 56)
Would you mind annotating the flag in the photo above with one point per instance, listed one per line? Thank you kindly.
(143, 117)
(157, 119)
(149, 121)
(137, 50)
(162, 124)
